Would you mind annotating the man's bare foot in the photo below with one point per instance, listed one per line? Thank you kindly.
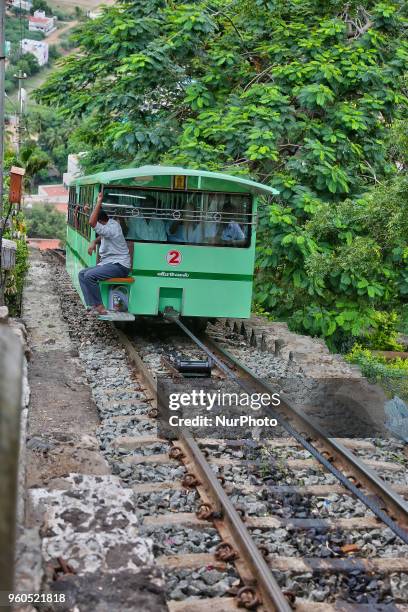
(100, 309)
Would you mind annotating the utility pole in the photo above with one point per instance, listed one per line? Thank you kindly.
(2, 95)
(20, 76)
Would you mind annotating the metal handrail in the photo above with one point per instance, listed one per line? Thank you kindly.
(166, 214)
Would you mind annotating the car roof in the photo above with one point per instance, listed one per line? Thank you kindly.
(127, 173)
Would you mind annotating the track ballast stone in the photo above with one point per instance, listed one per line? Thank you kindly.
(120, 401)
(80, 527)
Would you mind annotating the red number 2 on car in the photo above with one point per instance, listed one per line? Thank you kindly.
(173, 258)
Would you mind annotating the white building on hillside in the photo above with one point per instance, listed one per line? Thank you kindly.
(39, 22)
(94, 14)
(37, 47)
(73, 168)
(22, 5)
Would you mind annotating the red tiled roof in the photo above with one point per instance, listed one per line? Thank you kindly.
(61, 207)
(43, 20)
(44, 243)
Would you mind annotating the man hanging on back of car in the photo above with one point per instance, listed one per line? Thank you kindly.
(113, 253)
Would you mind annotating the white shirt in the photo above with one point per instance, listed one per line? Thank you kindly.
(192, 233)
(233, 232)
(113, 247)
(140, 229)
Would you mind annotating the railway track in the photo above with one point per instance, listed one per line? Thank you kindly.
(213, 480)
(58, 254)
(215, 502)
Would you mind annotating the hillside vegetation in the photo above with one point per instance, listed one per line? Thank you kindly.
(306, 96)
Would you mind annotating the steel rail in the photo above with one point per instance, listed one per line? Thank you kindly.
(58, 253)
(361, 471)
(358, 468)
(271, 595)
(394, 502)
(264, 581)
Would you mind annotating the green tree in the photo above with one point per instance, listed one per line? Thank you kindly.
(41, 5)
(52, 133)
(15, 229)
(27, 63)
(33, 159)
(45, 222)
(79, 13)
(14, 28)
(298, 94)
(53, 53)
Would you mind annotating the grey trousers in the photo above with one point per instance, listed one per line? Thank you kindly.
(89, 277)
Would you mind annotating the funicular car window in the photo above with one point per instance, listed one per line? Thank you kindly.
(71, 205)
(77, 217)
(202, 218)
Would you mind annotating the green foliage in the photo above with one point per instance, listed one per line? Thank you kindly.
(53, 53)
(258, 310)
(392, 375)
(397, 141)
(297, 94)
(41, 5)
(384, 337)
(51, 133)
(335, 273)
(15, 279)
(27, 63)
(268, 89)
(403, 323)
(45, 222)
(16, 28)
(79, 13)
(16, 230)
(376, 363)
(33, 159)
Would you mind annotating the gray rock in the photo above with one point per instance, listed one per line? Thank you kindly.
(211, 577)
(221, 587)
(177, 594)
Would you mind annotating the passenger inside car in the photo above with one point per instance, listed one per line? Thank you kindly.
(147, 226)
(231, 231)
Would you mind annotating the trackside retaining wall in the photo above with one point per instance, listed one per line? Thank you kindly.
(11, 376)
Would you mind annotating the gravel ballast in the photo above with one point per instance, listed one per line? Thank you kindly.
(124, 408)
